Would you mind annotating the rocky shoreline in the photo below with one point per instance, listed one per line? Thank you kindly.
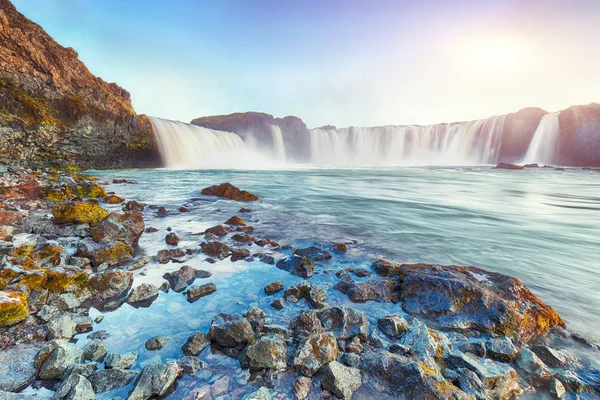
(67, 261)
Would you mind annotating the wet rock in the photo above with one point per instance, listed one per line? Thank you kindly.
(245, 210)
(55, 357)
(340, 380)
(501, 349)
(265, 258)
(161, 212)
(13, 307)
(315, 352)
(504, 165)
(154, 380)
(267, 242)
(123, 361)
(112, 253)
(278, 304)
(266, 353)
(166, 255)
(239, 254)
(113, 199)
(263, 393)
(235, 220)
(231, 330)
(151, 230)
(351, 360)
(108, 379)
(184, 209)
(470, 383)
(181, 278)
(75, 387)
(243, 238)
(16, 367)
(111, 284)
(533, 369)
(218, 230)
(172, 239)
(156, 343)
(229, 191)
(195, 344)
(551, 357)
(274, 329)
(61, 327)
(195, 292)
(500, 380)
(470, 298)
(301, 388)
(557, 389)
(140, 263)
(385, 268)
(215, 249)
(84, 369)
(143, 295)
(339, 248)
(190, 365)
(117, 227)
(393, 326)
(345, 322)
(313, 253)
(398, 348)
(273, 287)
(95, 350)
(87, 212)
(306, 323)
(376, 289)
(296, 265)
(134, 206)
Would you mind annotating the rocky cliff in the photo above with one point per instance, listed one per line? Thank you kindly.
(53, 111)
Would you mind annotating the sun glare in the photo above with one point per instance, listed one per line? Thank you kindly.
(496, 54)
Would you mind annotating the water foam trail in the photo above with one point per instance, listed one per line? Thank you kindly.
(543, 146)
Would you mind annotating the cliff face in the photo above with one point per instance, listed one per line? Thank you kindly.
(517, 133)
(258, 126)
(579, 141)
(53, 111)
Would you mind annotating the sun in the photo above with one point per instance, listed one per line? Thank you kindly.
(501, 53)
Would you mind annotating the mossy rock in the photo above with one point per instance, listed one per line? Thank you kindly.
(54, 280)
(113, 199)
(13, 307)
(91, 190)
(79, 212)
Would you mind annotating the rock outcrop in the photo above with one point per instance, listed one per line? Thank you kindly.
(54, 112)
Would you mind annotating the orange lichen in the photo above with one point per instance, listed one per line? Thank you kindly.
(79, 212)
(13, 307)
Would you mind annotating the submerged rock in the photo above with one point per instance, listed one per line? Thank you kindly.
(345, 322)
(273, 287)
(108, 379)
(75, 387)
(196, 344)
(376, 289)
(229, 191)
(156, 343)
(190, 365)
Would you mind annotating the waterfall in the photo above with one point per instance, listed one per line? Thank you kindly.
(278, 144)
(466, 143)
(543, 146)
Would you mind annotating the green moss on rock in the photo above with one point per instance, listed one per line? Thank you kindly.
(79, 212)
(13, 308)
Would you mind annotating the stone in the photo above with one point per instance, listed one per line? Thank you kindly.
(339, 248)
(551, 357)
(61, 327)
(95, 350)
(66, 301)
(504, 165)
(215, 249)
(231, 330)
(109, 379)
(376, 289)
(239, 254)
(263, 393)
(340, 380)
(235, 220)
(154, 380)
(301, 388)
(218, 230)
(143, 294)
(112, 253)
(385, 268)
(470, 383)
(79, 213)
(75, 387)
(124, 227)
(533, 369)
(297, 265)
(306, 323)
(313, 253)
(172, 239)
(316, 297)
(134, 206)
(83, 369)
(123, 361)
(273, 287)
(351, 360)
(190, 365)
(393, 326)
(278, 304)
(266, 353)
(111, 284)
(16, 367)
(183, 209)
(316, 351)
(243, 238)
(195, 344)
(345, 322)
(156, 343)
(13, 307)
(501, 349)
(166, 255)
(229, 191)
(195, 292)
(557, 389)
(180, 279)
(55, 357)
(161, 212)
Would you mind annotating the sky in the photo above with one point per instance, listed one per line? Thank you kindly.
(345, 63)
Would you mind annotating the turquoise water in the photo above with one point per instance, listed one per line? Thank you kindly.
(541, 226)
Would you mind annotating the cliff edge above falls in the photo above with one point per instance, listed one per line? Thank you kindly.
(54, 112)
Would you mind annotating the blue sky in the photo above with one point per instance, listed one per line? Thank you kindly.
(336, 62)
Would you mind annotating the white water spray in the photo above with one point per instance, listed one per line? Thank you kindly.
(543, 146)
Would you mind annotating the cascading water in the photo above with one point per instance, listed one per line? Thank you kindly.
(466, 143)
(543, 146)
(278, 144)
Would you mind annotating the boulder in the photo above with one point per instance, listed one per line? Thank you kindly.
(215, 249)
(273, 287)
(190, 365)
(156, 343)
(501, 349)
(229, 191)
(235, 220)
(61, 327)
(196, 344)
(172, 239)
(218, 230)
(134, 206)
(95, 350)
(339, 248)
(123, 361)
(16, 367)
(504, 165)
(266, 353)
(113, 199)
(79, 213)
(195, 292)
(393, 326)
(109, 379)
(13, 307)
(154, 380)
(345, 322)
(302, 387)
(377, 289)
(465, 298)
(181, 278)
(110, 284)
(112, 253)
(532, 368)
(55, 357)
(239, 254)
(278, 304)
(297, 265)
(316, 351)
(75, 387)
(166, 255)
(231, 330)
(313, 253)
(143, 295)
(126, 227)
(340, 380)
